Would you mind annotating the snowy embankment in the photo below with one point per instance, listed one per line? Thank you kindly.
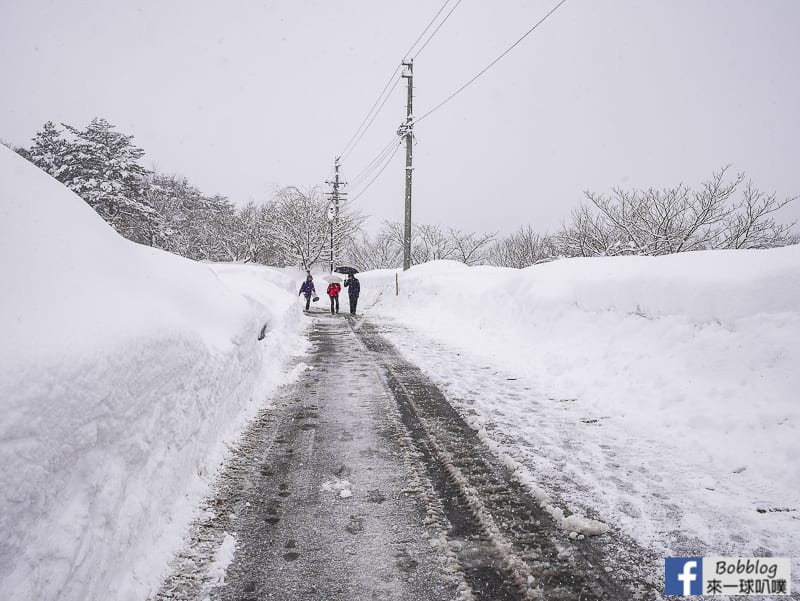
(124, 371)
(657, 394)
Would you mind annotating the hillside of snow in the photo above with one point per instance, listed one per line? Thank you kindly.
(124, 370)
(658, 394)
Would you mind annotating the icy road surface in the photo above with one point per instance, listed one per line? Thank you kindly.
(362, 482)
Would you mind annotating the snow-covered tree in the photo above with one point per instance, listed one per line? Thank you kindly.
(384, 250)
(380, 251)
(471, 248)
(749, 227)
(658, 222)
(48, 150)
(522, 249)
(300, 229)
(256, 243)
(101, 166)
(299, 225)
(430, 243)
(219, 226)
(193, 225)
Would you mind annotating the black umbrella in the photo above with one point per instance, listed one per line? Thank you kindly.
(346, 270)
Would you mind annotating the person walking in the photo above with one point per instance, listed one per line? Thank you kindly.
(354, 289)
(334, 288)
(307, 288)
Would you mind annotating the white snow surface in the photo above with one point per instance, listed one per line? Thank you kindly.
(124, 372)
(656, 394)
(652, 396)
(222, 559)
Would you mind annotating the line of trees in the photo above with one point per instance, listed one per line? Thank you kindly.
(291, 228)
(726, 212)
(102, 166)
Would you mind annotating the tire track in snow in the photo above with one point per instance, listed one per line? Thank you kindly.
(507, 546)
(314, 503)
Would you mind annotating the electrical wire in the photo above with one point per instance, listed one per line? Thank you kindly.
(438, 27)
(366, 171)
(492, 64)
(386, 164)
(381, 158)
(388, 95)
(436, 16)
(348, 148)
(381, 100)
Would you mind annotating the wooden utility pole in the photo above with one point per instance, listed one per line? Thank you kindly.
(407, 129)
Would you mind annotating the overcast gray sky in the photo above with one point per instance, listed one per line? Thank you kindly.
(243, 96)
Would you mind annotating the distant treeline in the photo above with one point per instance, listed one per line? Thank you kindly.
(291, 228)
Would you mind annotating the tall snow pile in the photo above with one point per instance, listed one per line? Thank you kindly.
(660, 393)
(123, 371)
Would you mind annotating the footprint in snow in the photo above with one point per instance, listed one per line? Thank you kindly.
(376, 496)
(356, 525)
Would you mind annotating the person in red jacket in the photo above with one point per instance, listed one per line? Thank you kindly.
(334, 288)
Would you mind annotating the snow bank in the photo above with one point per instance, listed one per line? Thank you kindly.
(660, 392)
(123, 370)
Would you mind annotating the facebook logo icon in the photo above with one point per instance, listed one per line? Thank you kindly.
(683, 575)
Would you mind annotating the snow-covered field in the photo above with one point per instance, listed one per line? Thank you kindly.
(123, 373)
(658, 394)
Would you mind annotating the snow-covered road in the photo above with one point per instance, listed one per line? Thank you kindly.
(650, 400)
(315, 502)
(362, 482)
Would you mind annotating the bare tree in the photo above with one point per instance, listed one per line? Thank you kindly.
(428, 243)
(380, 252)
(217, 225)
(300, 228)
(431, 244)
(589, 235)
(257, 245)
(347, 228)
(749, 226)
(658, 222)
(470, 248)
(522, 249)
(191, 224)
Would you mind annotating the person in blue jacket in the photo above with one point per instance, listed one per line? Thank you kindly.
(353, 289)
(307, 288)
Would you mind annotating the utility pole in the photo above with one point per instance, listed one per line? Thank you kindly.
(333, 209)
(407, 130)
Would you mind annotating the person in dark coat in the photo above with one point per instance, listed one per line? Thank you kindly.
(353, 289)
(333, 291)
(307, 288)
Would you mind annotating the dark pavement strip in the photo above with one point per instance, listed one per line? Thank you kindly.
(323, 514)
(362, 482)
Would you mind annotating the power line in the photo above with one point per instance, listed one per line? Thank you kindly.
(381, 100)
(366, 171)
(386, 164)
(436, 16)
(388, 95)
(379, 161)
(348, 148)
(492, 64)
(438, 27)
